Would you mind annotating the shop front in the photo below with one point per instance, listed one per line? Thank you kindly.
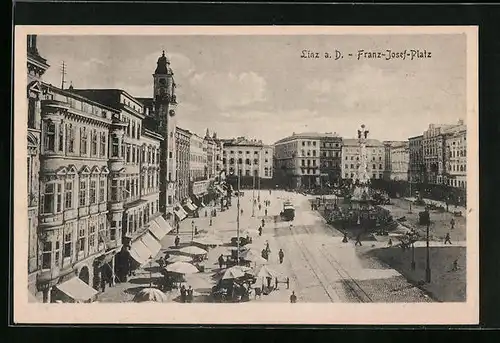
(199, 193)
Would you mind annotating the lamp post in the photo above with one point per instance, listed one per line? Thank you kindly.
(192, 230)
(409, 211)
(150, 273)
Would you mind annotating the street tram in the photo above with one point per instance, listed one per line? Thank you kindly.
(288, 213)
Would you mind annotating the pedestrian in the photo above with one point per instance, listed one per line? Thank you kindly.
(260, 207)
(167, 256)
(161, 262)
(281, 255)
(293, 298)
(221, 261)
(264, 254)
(291, 226)
(190, 294)
(390, 242)
(455, 266)
(358, 240)
(269, 279)
(260, 231)
(103, 284)
(447, 239)
(267, 246)
(196, 230)
(452, 223)
(265, 212)
(241, 211)
(344, 240)
(177, 241)
(183, 294)
(210, 223)
(263, 222)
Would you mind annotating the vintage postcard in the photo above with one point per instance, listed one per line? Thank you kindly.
(246, 175)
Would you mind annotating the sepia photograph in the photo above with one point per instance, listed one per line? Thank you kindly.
(321, 175)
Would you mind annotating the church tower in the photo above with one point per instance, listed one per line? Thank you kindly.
(165, 104)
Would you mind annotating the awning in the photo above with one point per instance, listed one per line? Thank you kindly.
(163, 223)
(77, 290)
(158, 230)
(151, 243)
(191, 207)
(180, 213)
(140, 252)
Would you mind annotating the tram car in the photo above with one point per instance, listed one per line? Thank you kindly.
(288, 213)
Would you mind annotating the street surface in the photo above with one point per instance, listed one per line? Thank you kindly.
(320, 267)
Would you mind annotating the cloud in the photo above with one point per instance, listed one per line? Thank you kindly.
(228, 90)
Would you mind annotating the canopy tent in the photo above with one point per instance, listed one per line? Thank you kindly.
(180, 213)
(182, 268)
(140, 252)
(151, 243)
(159, 227)
(77, 290)
(150, 295)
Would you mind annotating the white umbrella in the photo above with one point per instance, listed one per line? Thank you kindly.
(208, 240)
(182, 268)
(253, 256)
(150, 295)
(179, 258)
(265, 271)
(235, 272)
(192, 250)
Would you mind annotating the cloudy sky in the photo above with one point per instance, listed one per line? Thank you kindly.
(260, 87)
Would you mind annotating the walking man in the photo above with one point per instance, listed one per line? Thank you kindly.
(263, 222)
(358, 240)
(190, 294)
(281, 255)
(390, 242)
(293, 298)
(260, 207)
(265, 212)
(452, 223)
(221, 261)
(177, 241)
(447, 239)
(260, 230)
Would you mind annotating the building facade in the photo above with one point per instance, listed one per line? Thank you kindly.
(37, 66)
(198, 170)
(75, 215)
(433, 142)
(297, 160)
(183, 160)
(416, 162)
(375, 151)
(330, 159)
(400, 160)
(248, 158)
(456, 156)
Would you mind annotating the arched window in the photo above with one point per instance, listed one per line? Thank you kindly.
(50, 135)
(240, 161)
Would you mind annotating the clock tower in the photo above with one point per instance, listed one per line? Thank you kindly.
(165, 104)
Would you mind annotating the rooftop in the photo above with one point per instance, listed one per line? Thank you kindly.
(309, 135)
(355, 142)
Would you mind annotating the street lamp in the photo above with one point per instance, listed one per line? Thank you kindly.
(192, 230)
(253, 196)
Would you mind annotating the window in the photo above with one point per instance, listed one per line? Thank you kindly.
(81, 238)
(93, 147)
(83, 141)
(102, 190)
(102, 146)
(67, 245)
(112, 231)
(50, 136)
(83, 193)
(133, 160)
(61, 138)
(247, 161)
(92, 236)
(170, 154)
(92, 192)
(70, 137)
(373, 166)
(48, 198)
(114, 147)
(68, 195)
(133, 129)
(346, 166)
(47, 255)
(379, 166)
(114, 190)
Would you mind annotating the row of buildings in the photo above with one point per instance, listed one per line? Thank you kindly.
(109, 175)
(312, 159)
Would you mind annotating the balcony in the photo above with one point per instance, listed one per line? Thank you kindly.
(50, 219)
(83, 211)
